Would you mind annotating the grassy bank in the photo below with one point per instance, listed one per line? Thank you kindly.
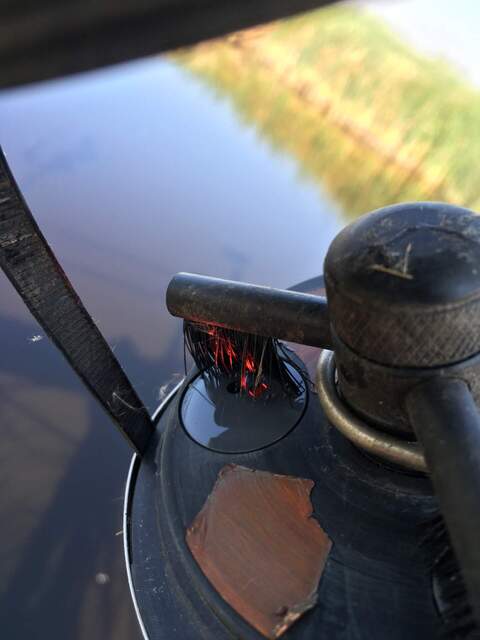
(365, 115)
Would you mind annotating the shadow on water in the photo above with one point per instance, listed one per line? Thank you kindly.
(81, 552)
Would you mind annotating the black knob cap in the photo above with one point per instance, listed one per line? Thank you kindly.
(403, 285)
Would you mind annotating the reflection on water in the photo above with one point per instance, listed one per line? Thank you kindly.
(61, 470)
(171, 181)
(133, 175)
(366, 115)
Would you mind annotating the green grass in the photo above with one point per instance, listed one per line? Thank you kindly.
(364, 114)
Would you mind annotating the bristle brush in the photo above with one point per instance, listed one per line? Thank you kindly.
(250, 362)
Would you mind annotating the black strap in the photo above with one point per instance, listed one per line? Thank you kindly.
(32, 268)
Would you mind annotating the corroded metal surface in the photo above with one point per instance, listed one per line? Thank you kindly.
(256, 541)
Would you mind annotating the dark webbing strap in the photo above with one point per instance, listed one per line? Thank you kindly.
(32, 268)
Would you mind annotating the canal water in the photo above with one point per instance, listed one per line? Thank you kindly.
(133, 174)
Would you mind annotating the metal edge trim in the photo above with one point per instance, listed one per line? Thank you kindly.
(132, 473)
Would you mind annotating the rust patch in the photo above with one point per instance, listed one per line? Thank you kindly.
(257, 543)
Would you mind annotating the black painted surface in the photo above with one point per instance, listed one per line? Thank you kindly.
(377, 582)
(403, 285)
(446, 420)
(234, 422)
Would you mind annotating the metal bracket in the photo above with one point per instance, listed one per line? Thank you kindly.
(376, 442)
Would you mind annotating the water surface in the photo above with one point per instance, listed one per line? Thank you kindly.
(133, 174)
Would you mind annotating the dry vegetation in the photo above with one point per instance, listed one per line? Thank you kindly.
(369, 118)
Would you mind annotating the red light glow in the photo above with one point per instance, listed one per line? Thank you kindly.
(229, 356)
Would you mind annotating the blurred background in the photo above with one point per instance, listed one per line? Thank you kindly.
(239, 158)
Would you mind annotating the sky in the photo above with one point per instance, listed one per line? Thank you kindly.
(448, 29)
